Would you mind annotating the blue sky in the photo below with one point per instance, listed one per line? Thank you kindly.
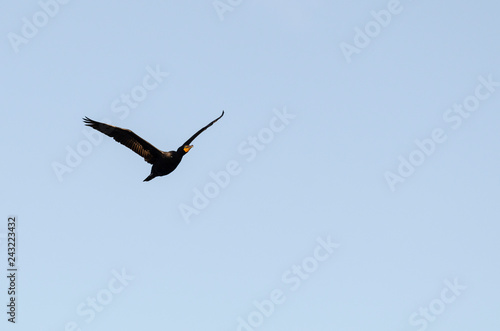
(352, 183)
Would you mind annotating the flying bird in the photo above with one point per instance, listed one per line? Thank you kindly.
(163, 162)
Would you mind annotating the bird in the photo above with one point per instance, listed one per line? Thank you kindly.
(163, 162)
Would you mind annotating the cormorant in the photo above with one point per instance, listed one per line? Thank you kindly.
(163, 162)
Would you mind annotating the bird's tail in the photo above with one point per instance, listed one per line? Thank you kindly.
(149, 178)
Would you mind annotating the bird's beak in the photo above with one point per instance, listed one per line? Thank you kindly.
(187, 148)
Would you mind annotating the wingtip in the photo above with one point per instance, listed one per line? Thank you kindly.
(87, 121)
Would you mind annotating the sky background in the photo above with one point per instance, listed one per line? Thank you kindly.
(320, 177)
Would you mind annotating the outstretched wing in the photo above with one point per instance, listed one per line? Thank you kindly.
(201, 130)
(127, 138)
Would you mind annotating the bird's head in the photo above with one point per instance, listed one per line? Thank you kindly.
(184, 149)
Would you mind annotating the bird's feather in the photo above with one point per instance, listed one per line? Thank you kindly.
(201, 130)
(128, 138)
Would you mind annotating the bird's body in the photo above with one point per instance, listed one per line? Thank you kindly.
(163, 162)
(166, 163)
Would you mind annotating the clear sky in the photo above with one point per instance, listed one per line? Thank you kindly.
(352, 183)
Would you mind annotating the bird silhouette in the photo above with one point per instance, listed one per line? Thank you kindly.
(163, 162)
